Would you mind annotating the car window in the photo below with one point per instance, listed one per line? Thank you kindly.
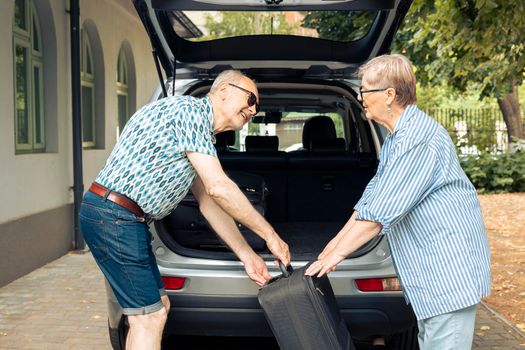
(289, 130)
(210, 25)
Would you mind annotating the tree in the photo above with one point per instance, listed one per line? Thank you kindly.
(236, 23)
(470, 44)
(340, 25)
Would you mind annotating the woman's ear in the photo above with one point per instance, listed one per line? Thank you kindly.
(391, 95)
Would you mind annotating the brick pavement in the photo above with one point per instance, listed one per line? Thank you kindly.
(62, 306)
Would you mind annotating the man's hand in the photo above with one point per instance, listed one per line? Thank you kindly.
(255, 267)
(279, 248)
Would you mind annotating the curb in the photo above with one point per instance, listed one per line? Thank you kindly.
(502, 318)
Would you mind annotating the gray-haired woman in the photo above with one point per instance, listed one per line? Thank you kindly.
(421, 199)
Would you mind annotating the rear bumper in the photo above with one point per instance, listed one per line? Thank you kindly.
(242, 316)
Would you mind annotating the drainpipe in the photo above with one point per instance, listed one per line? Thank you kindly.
(78, 185)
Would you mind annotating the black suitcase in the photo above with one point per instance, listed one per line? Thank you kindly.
(303, 313)
(193, 231)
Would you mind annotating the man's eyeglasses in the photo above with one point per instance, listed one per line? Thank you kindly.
(252, 99)
(364, 91)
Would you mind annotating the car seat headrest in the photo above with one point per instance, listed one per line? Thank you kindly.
(262, 143)
(316, 128)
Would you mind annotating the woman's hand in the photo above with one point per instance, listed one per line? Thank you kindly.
(326, 264)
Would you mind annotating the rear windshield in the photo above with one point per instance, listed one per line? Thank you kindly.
(289, 130)
(344, 26)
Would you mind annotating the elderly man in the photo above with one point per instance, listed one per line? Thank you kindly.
(165, 149)
(421, 199)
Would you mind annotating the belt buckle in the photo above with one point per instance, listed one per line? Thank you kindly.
(146, 219)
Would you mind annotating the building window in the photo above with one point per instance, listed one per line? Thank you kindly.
(28, 79)
(87, 79)
(122, 92)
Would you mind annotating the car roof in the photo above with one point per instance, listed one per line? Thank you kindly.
(311, 55)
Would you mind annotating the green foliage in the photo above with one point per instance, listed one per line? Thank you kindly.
(340, 25)
(444, 96)
(338, 122)
(471, 46)
(464, 42)
(495, 174)
(479, 125)
(254, 129)
(238, 23)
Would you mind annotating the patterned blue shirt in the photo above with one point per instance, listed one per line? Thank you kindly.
(432, 217)
(149, 162)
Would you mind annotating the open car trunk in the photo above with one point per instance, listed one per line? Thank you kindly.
(305, 239)
(310, 194)
(307, 194)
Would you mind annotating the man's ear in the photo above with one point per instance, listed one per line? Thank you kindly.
(223, 91)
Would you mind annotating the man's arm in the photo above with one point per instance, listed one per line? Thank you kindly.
(226, 228)
(227, 195)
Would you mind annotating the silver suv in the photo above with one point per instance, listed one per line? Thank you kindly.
(310, 145)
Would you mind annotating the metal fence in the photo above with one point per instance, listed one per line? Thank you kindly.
(474, 130)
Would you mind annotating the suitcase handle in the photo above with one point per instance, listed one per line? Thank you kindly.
(286, 270)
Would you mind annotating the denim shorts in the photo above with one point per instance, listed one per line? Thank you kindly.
(120, 242)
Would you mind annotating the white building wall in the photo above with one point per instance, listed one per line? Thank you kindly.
(36, 215)
(38, 182)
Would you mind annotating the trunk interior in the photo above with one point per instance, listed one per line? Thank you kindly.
(307, 239)
(307, 207)
(306, 194)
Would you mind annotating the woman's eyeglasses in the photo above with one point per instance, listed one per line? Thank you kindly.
(252, 99)
(364, 91)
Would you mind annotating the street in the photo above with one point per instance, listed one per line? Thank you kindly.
(62, 306)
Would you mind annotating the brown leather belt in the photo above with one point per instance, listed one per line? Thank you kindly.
(116, 197)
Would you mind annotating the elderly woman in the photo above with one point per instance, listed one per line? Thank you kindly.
(421, 199)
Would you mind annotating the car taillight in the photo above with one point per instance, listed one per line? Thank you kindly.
(173, 283)
(378, 284)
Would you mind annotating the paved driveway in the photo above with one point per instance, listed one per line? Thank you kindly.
(62, 306)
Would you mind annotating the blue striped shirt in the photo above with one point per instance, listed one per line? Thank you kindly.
(431, 215)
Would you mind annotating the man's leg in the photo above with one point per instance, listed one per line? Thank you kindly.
(134, 280)
(145, 331)
(166, 303)
(121, 245)
(452, 331)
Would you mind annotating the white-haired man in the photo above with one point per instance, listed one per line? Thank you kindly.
(165, 149)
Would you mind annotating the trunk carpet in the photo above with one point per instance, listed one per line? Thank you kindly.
(307, 239)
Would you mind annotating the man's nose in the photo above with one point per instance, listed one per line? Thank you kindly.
(252, 110)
